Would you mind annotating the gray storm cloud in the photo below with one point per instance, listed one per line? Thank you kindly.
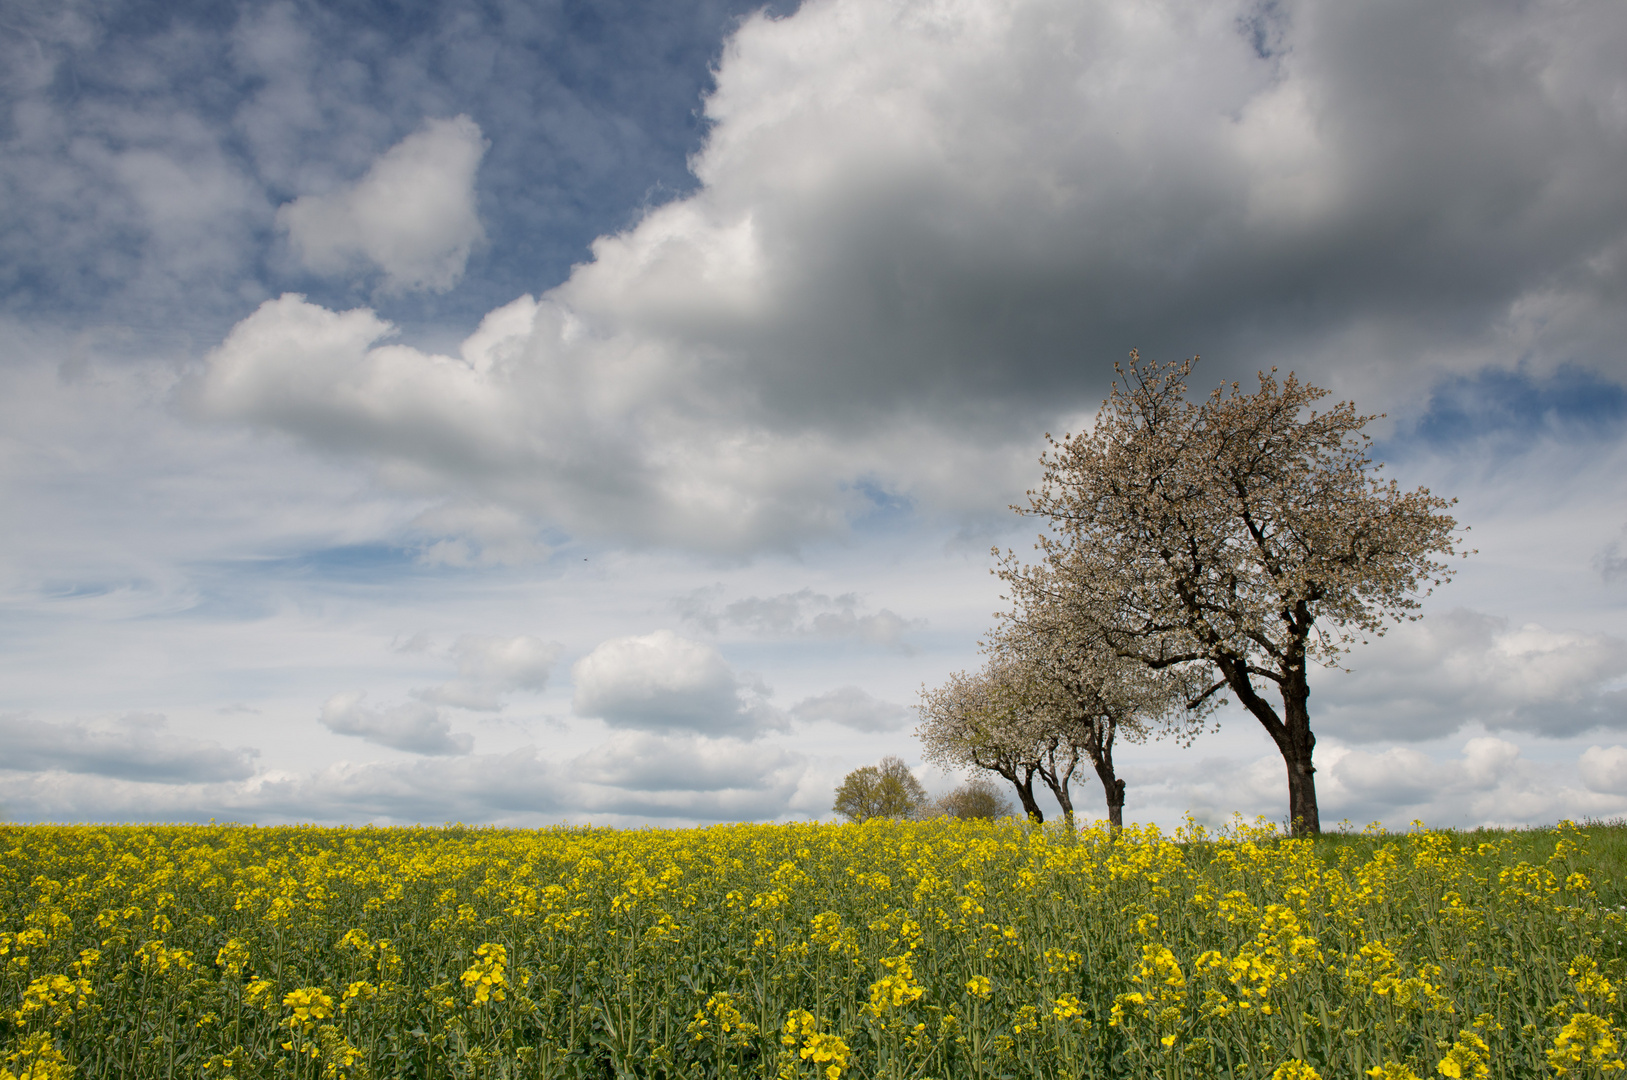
(923, 233)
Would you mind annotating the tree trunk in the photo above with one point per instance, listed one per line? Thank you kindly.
(1100, 752)
(1065, 800)
(1298, 747)
(1291, 732)
(1058, 779)
(1025, 793)
(1115, 794)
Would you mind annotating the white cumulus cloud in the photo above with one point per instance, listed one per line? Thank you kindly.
(804, 613)
(1489, 782)
(413, 726)
(489, 666)
(1604, 769)
(412, 216)
(664, 682)
(138, 747)
(851, 707)
(640, 761)
(1429, 678)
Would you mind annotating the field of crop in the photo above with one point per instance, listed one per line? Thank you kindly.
(890, 949)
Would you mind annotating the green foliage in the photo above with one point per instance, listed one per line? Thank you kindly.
(889, 790)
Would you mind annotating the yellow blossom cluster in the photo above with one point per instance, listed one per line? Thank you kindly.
(938, 949)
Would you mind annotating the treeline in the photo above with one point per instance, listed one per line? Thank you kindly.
(1193, 552)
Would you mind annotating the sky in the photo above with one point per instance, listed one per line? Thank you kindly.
(529, 412)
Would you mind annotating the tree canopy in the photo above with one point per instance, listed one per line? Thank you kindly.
(978, 799)
(1244, 536)
(885, 790)
(1051, 699)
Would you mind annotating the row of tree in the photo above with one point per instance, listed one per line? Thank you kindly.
(890, 790)
(1194, 551)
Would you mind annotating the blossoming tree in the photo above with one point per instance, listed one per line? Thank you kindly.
(1246, 533)
(1049, 701)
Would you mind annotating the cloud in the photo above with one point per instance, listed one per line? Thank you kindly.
(468, 535)
(804, 613)
(634, 779)
(917, 241)
(412, 216)
(1510, 410)
(1610, 563)
(643, 762)
(513, 786)
(298, 100)
(662, 682)
(851, 707)
(1428, 679)
(135, 747)
(488, 666)
(416, 727)
(1490, 782)
(1604, 769)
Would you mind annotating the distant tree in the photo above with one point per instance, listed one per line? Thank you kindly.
(982, 721)
(1088, 698)
(977, 799)
(1049, 701)
(1245, 534)
(886, 790)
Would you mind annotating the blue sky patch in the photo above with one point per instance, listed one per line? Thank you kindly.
(1513, 409)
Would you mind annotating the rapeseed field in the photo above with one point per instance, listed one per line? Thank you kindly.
(891, 949)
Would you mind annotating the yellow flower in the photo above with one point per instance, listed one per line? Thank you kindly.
(309, 1004)
(828, 1050)
(56, 995)
(1586, 1040)
(488, 977)
(1469, 1058)
(1392, 1070)
(37, 1058)
(233, 956)
(1066, 1007)
(721, 1016)
(258, 990)
(1294, 1069)
(980, 986)
(895, 990)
